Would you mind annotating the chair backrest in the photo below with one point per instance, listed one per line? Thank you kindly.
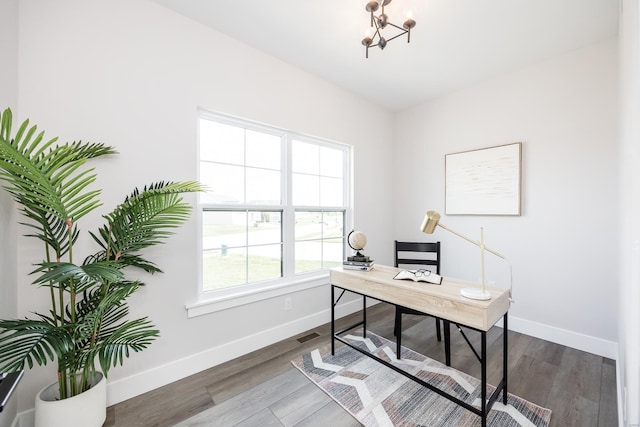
(418, 254)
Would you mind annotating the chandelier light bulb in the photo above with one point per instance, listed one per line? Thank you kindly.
(382, 43)
(409, 24)
(372, 6)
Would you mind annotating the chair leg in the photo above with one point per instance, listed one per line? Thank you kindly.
(438, 334)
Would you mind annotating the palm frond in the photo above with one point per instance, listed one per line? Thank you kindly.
(109, 317)
(135, 335)
(45, 179)
(99, 312)
(53, 232)
(59, 274)
(30, 342)
(146, 218)
(126, 259)
(102, 307)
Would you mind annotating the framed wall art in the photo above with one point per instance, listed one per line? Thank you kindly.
(486, 181)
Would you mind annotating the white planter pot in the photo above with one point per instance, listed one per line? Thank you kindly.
(88, 409)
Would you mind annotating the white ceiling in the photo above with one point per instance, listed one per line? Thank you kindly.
(455, 43)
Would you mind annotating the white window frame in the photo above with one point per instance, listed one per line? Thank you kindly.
(222, 299)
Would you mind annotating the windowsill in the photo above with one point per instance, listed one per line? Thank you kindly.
(214, 304)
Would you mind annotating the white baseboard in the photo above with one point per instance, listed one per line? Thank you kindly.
(620, 395)
(126, 388)
(565, 337)
(25, 419)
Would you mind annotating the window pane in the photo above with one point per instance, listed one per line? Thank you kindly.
(225, 184)
(319, 240)
(223, 229)
(221, 143)
(263, 187)
(333, 224)
(265, 263)
(263, 150)
(308, 256)
(331, 162)
(305, 157)
(305, 190)
(225, 244)
(332, 253)
(265, 228)
(331, 192)
(223, 268)
(308, 225)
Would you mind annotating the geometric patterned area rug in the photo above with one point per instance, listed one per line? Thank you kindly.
(378, 396)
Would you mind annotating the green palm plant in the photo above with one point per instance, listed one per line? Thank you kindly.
(87, 323)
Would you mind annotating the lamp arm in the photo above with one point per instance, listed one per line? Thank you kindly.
(475, 242)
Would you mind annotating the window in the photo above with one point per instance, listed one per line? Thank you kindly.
(276, 205)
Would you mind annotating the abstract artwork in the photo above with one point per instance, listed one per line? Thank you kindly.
(484, 182)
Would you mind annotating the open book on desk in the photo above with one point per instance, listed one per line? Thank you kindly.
(419, 276)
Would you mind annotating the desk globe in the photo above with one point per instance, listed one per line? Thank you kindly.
(357, 240)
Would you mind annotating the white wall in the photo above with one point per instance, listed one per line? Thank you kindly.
(563, 247)
(132, 74)
(629, 317)
(8, 217)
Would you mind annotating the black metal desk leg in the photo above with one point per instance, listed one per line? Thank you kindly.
(364, 316)
(483, 392)
(398, 332)
(505, 351)
(333, 320)
(447, 342)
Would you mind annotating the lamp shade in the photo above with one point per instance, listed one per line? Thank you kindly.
(430, 222)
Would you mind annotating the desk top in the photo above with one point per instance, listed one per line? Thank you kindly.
(443, 300)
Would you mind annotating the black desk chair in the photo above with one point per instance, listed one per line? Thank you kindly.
(415, 255)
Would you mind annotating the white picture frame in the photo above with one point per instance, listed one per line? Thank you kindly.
(485, 181)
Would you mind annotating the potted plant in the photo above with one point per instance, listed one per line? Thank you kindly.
(87, 323)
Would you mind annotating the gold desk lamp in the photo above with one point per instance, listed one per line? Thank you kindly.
(431, 220)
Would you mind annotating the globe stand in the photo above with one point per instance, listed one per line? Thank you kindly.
(358, 257)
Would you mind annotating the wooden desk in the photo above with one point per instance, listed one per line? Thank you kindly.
(443, 301)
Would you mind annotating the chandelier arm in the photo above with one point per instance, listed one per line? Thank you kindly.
(378, 35)
(396, 26)
(396, 36)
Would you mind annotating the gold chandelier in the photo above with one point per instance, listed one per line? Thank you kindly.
(381, 22)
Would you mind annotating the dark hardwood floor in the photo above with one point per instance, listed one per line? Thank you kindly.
(263, 389)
